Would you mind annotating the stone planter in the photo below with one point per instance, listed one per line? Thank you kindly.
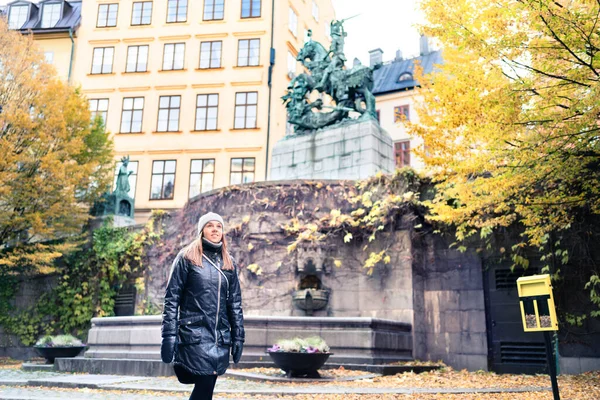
(299, 364)
(50, 353)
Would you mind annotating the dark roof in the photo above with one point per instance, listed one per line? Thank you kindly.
(71, 16)
(386, 77)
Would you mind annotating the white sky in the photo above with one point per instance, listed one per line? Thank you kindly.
(385, 24)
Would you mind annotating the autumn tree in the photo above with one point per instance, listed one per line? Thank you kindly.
(54, 163)
(511, 120)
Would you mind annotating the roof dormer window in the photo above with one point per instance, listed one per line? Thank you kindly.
(50, 15)
(17, 16)
(405, 76)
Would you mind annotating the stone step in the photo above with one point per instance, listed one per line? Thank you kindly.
(37, 367)
(158, 368)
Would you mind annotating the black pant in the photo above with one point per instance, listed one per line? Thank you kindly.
(204, 387)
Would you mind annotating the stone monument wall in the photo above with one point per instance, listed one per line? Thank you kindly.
(436, 290)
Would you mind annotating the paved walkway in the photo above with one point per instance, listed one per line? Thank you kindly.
(18, 384)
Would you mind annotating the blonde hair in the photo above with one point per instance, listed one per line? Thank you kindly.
(193, 252)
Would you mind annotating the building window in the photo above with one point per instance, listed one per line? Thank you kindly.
(202, 175)
(328, 29)
(49, 57)
(291, 64)
(168, 114)
(141, 13)
(242, 171)
(405, 76)
(207, 107)
(173, 56)
(210, 54)
(214, 9)
(163, 180)
(315, 11)
(102, 62)
(17, 16)
(402, 153)
(50, 15)
(137, 59)
(177, 11)
(245, 110)
(401, 113)
(306, 37)
(131, 118)
(248, 52)
(250, 8)
(107, 15)
(293, 22)
(133, 168)
(99, 107)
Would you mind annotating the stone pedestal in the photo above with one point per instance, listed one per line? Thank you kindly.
(131, 345)
(353, 150)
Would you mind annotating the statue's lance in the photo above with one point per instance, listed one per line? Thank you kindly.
(339, 108)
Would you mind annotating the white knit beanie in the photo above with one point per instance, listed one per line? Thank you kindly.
(206, 218)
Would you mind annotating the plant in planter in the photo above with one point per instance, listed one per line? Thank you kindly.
(51, 347)
(300, 357)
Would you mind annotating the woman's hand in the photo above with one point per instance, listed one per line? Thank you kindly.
(236, 350)
(167, 349)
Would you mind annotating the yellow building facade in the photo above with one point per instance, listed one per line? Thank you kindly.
(190, 90)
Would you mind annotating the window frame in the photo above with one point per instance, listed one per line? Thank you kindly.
(10, 14)
(402, 154)
(169, 110)
(175, 47)
(133, 110)
(295, 20)
(214, 5)
(103, 113)
(137, 58)
(112, 61)
(143, 3)
(248, 57)
(210, 59)
(251, 9)
(202, 174)
(315, 6)
(245, 105)
(163, 173)
(291, 56)
(206, 109)
(108, 6)
(177, 12)
(399, 111)
(231, 172)
(60, 11)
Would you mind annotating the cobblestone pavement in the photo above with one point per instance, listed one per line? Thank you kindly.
(37, 385)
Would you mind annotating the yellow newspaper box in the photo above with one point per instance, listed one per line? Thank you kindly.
(537, 303)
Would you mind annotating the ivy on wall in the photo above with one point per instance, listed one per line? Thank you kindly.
(88, 279)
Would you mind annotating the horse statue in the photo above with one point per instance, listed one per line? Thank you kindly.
(348, 88)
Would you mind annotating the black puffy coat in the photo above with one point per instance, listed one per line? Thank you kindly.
(203, 307)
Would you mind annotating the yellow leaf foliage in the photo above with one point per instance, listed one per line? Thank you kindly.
(54, 162)
(510, 121)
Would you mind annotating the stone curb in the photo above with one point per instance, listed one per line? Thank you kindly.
(268, 378)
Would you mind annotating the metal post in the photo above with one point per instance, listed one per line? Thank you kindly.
(551, 364)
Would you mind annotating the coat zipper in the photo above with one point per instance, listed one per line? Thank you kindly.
(218, 311)
(218, 296)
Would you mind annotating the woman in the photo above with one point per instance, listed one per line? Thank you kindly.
(202, 316)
